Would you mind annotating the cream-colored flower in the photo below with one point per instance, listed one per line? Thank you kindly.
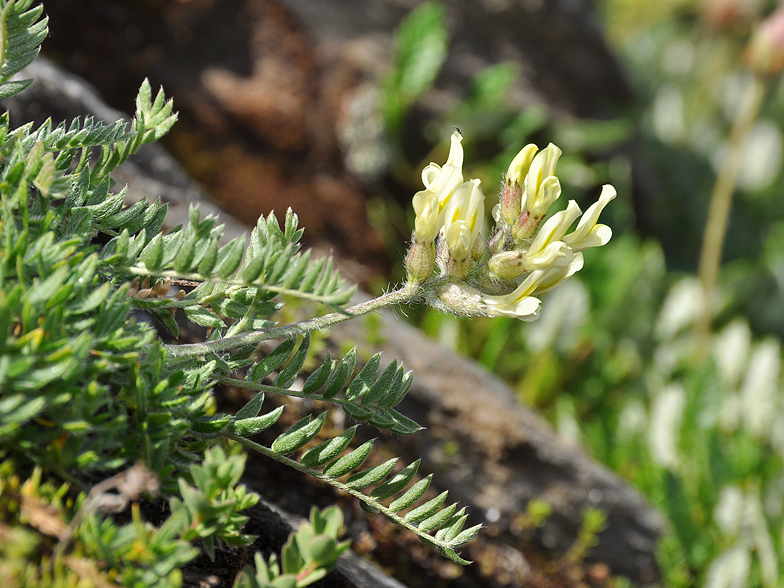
(547, 248)
(518, 169)
(463, 219)
(518, 304)
(442, 181)
(542, 188)
(426, 225)
(588, 233)
(510, 201)
(560, 272)
(521, 303)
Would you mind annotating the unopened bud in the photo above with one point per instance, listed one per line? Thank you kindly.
(506, 265)
(497, 241)
(525, 227)
(458, 268)
(478, 248)
(510, 200)
(460, 299)
(765, 52)
(420, 260)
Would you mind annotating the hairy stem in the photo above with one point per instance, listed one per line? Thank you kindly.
(192, 350)
(721, 200)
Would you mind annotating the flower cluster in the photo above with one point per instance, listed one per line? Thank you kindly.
(526, 255)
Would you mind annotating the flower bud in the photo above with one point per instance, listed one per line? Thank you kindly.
(420, 260)
(542, 188)
(765, 52)
(511, 198)
(460, 299)
(506, 265)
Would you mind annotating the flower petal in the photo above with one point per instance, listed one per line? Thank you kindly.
(578, 240)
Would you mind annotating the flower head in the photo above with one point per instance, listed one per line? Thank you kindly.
(529, 253)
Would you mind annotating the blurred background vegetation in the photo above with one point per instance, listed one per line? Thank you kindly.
(612, 361)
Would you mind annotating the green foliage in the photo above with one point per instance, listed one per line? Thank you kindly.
(91, 391)
(420, 50)
(594, 521)
(211, 509)
(309, 555)
(22, 30)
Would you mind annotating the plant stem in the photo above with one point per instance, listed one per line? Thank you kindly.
(718, 211)
(193, 350)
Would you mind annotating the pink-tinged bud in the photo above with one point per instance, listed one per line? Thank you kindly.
(421, 260)
(497, 242)
(525, 227)
(765, 52)
(510, 199)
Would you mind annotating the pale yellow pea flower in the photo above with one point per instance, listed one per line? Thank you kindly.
(519, 304)
(442, 181)
(463, 218)
(542, 188)
(547, 247)
(588, 233)
(426, 225)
